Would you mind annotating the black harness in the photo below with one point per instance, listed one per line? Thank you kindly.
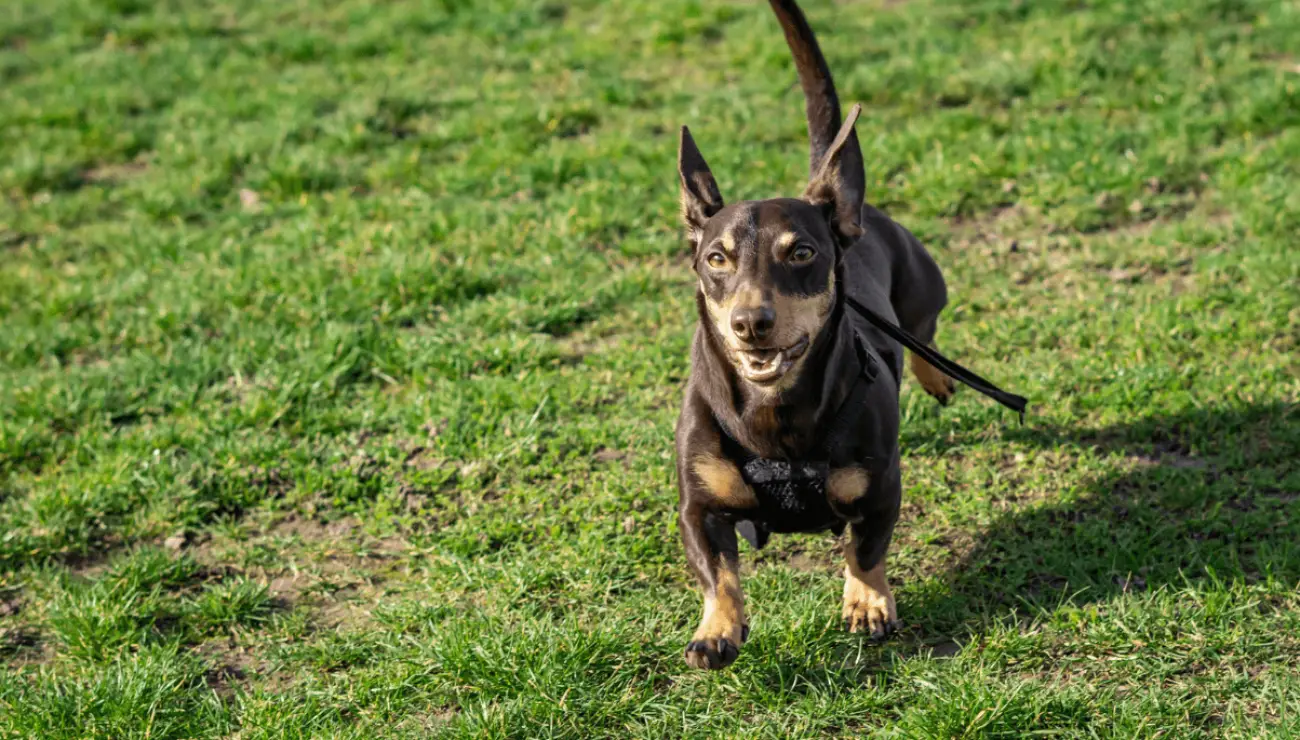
(792, 494)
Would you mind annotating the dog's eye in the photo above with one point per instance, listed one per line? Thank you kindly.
(717, 259)
(802, 253)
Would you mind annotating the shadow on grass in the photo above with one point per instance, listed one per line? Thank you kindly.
(1204, 495)
(1202, 498)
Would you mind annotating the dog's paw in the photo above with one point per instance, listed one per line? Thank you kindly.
(711, 652)
(943, 393)
(933, 381)
(869, 610)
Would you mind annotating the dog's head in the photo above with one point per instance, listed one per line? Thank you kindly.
(767, 268)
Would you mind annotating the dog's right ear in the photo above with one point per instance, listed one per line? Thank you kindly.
(700, 196)
(837, 185)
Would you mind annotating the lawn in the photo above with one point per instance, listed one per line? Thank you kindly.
(341, 345)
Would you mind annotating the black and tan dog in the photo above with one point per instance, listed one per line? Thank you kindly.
(790, 418)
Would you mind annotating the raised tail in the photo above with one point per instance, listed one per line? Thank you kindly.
(822, 104)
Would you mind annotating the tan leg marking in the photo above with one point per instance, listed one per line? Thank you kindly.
(722, 629)
(723, 481)
(932, 379)
(868, 602)
(847, 485)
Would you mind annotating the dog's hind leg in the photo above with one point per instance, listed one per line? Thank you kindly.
(918, 293)
(933, 380)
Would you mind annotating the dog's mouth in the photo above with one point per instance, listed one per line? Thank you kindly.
(764, 366)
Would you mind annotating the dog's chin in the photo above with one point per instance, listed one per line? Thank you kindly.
(768, 367)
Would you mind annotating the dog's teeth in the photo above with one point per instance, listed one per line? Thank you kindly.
(761, 369)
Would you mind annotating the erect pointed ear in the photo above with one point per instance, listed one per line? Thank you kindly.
(700, 196)
(838, 184)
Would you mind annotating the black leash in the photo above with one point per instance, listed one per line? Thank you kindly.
(949, 368)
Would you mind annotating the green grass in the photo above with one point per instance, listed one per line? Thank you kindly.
(341, 345)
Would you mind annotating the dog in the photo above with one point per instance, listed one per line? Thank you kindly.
(789, 420)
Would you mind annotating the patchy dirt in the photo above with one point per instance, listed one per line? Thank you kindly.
(239, 387)
(312, 530)
(1024, 230)
(115, 172)
(349, 614)
(15, 239)
(21, 646)
(422, 458)
(809, 564)
(249, 200)
(946, 649)
(428, 721)
(579, 345)
(334, 570)
(606, 455)
(1169, 453)
(234, 665)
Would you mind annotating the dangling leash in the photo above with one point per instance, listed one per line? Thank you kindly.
(949, 368)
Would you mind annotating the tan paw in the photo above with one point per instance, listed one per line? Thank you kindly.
(933, 380)
(714, 651)
(869, 605)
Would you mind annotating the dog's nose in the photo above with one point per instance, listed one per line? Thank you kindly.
(753, 324)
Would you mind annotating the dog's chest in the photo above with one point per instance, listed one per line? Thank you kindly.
(793, 494)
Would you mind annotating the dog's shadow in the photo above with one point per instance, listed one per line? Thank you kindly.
(1207, 494)
(1193, 498)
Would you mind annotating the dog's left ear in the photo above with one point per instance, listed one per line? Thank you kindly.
(839, 183)
(700, 196)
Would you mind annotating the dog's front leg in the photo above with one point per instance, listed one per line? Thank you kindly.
(868, 602)
(713, 554)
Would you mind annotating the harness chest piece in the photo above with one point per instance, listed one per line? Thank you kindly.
(793, 492)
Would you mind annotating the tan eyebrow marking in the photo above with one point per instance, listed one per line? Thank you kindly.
(786, 239)
(728, 242)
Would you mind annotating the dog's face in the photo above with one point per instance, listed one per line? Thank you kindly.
(767, 268)
(767, 276)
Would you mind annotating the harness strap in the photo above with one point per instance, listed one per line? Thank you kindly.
(949, 368)
(846, 417)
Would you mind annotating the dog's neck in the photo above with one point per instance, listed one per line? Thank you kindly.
(784, 424)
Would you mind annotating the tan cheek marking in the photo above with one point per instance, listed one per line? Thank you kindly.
(724, 609)
(847, 485)
(722, 479)
(745, 296)
(720, 313)
(804, 314)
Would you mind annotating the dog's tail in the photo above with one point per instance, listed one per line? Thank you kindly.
(823, 105)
